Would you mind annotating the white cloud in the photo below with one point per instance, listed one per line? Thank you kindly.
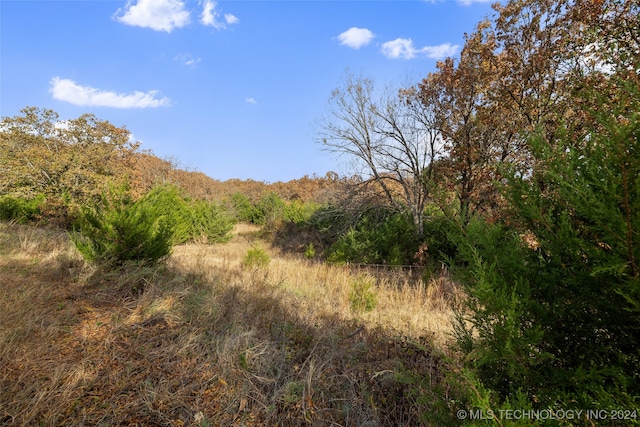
(399, 48)
(440, 51)
(69, 91)
(404, 49)
(356, 37)
(209, 13)
(251, 101)
(187, 59)
(210, 16)
(231, 19)
(159, 15)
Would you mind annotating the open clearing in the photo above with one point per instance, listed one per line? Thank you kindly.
(205, 340)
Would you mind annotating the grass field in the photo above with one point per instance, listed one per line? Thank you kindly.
(208, 340)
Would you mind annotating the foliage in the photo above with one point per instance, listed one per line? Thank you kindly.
(378, 238)
(245, 211)
(193, 219)
(310, 251)
(270, 210)
(441, 242)
(117, 230)
(209, 222)
(256, 257)
(20, 209)
(167, 202)
(362, 296)
(299, 212)
(559, 319)
(71, 162)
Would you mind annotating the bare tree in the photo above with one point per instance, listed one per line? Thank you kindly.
(391, 138)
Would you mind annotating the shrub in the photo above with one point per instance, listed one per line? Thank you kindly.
(209, 221)
(378, 238)
(299, 212)
(118, 230)
(442, 239)
(310, 251)
(244, 210)
(271, 210)
(256, 257)
(193, 219)
(20, 209)
(362, 297)
(167, 202)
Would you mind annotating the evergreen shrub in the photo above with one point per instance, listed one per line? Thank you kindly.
(557, 318)
(117, 230)
(378, 238)
(21, 210)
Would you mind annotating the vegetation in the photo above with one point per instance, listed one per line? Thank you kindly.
(200, 340)
(256, 257)
(20, 209)
(508, 176)
(568, 308)
(377, 238)
(537, 183)
(118, 230)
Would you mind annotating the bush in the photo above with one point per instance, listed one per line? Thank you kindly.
(210, 222)
(244, 210)
(299, 212)
(378, 238)
(256, 257)
(442, 238)
(167, 202)
(117, 230)
(193, 219)
(362, 297)
(310, 251)
(271, 210)
(20, 209)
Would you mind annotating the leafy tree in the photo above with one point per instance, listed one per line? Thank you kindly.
(471, 124)
(71, 162)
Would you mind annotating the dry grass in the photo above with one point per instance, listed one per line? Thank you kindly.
(206, 341)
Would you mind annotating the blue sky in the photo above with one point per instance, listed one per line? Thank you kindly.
(229, 88)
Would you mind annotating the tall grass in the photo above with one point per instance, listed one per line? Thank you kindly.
(205, 340)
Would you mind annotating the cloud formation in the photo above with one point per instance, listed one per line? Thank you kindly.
(187, 59)
(404, 49)
(251, 101)
(211, 17)
(69, 91)
(356, 37)
(159, 15)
